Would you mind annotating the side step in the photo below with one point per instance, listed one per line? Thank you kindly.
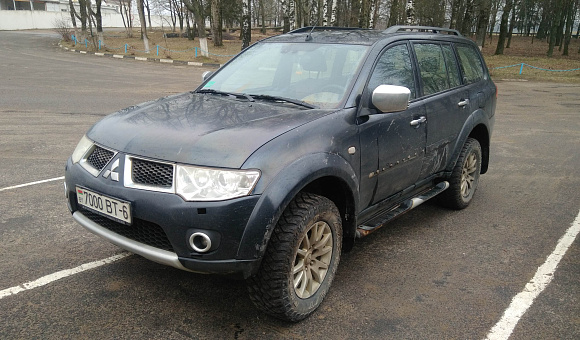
(380, 220)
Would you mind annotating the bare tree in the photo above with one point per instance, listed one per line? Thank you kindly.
(246, 23)
(83, 18)
(517, 6)
(99, 20)
(126, 15)
(73, 14)
(482, 20)
(143, 25)
(196, 7)
(557, 8)
(571, 8)
(216, 22)
(503, 28)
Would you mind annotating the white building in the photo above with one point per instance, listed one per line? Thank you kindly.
(43, 14)
(48, 5)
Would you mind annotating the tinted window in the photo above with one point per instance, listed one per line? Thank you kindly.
(394, 68)
(452, 69)
(470, 64)
(432, 68)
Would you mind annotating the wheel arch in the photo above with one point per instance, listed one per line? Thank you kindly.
(477, 126)
(481, 134)
(324, 174)
(336, 190)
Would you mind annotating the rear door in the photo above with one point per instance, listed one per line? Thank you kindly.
(447, 102)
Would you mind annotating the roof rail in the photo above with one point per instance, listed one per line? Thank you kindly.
(324, 28)
(399, 28)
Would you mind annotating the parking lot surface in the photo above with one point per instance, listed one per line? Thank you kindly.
(431, 274)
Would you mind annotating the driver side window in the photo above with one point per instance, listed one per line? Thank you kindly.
(394, 68)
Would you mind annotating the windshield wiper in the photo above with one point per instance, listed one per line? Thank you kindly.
(231, 94)
(217, 92)
(282, 99)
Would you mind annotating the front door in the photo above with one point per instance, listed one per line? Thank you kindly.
(399, 138)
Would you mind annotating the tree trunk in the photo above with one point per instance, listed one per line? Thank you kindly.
(365, 11)
(460, 15)
(556, 15)
(455, 5)
(262, 17)
(493, 16)
(376, 10)
(355, 9)
(571, 11)
(544, 27)
(329, 9)
(180, 14)
(146, 5)
(196, 8)
(73, 19)
(482, 20)
(99, 19)
(511, 29)
(83, 10)
(216, 22)
(503, 28)
(394, 13)
(126, 16)
(143, 25)
(466, 22)
(246, 23)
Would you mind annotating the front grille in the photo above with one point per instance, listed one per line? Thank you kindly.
(141, 231)
(152, 173)
(100, 157)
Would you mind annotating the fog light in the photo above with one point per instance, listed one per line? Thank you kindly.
(200, 242)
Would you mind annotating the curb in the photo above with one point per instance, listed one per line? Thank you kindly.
(157, 60)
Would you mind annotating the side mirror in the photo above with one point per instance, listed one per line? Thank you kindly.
(205, 76)
(391, 98)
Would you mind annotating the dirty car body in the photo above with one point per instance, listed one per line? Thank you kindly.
(366, 123)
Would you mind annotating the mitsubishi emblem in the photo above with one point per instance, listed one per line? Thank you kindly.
(114, 174)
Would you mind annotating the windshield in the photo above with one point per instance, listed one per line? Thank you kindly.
(316, 74)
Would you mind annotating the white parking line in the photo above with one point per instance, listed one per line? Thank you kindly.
(32, 183)
(522, 302)
(59, 275)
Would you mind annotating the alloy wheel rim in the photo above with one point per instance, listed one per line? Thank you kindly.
(312, 259)
(468, 175)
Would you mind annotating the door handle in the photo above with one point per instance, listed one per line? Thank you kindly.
(463, 103)
(416, 122)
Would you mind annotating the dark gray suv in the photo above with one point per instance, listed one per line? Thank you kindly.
(279, 160)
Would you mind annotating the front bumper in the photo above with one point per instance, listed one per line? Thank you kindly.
(243, 268)
(174, 220)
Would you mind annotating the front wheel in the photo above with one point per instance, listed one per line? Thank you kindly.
(301, 259)
(464, 177)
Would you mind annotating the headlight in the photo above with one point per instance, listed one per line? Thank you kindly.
(82, 147)
(205, 184)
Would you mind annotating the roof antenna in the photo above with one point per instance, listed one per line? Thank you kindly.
(309, 35)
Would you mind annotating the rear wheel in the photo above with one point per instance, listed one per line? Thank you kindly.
(464, 178)
(301, 259)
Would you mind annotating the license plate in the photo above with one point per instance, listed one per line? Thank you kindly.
(105, 205)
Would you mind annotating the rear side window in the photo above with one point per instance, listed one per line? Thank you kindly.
(470, 63)
(452, 68)
(432, 67)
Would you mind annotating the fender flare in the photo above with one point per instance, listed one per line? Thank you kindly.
(283, 188)
(477, 117)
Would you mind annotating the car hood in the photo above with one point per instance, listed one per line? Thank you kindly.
(200, 129)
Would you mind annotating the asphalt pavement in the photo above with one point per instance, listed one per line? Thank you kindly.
(431, 274)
